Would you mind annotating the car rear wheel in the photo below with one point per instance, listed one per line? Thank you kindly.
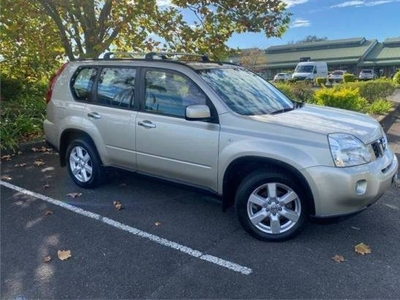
(83, 163)
(271, 206)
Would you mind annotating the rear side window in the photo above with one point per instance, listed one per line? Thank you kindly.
(116, 87)
(82, 83)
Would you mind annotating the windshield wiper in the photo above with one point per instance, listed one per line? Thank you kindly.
(281, 110)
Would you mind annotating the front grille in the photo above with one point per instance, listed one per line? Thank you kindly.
(379, 147)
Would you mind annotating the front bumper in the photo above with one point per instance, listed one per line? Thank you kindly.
(344, 191)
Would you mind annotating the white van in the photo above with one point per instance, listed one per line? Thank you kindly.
(309, 70)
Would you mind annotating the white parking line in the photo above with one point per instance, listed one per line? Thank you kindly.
(187, 250)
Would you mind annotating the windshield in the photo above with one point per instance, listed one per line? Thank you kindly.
(245, 92)
(305, 69)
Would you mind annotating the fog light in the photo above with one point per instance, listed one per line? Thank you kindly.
(361, 187)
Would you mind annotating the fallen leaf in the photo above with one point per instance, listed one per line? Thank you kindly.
(157, 223)
(64, 254)
(6, 157)
(6, 178)
(48, 212)
(20, 165)
(47, 259)
(362, 249)
(338, 258)
(41, 149)
(74, 195)
(117, 204)
(38, 162)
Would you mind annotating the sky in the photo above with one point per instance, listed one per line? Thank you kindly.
(333, 19)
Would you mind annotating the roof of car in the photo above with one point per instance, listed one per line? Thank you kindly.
(195, 61)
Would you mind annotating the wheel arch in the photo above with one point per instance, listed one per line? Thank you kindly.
(243, 166)
(69, 135)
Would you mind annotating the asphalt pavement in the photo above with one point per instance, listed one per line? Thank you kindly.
(171, 242)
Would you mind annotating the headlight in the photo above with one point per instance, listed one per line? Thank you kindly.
(347, 150)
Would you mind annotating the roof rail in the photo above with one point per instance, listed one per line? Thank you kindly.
(111, 55)
(152, 55)
(165, 55)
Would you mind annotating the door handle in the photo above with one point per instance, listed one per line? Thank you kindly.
(94, 115)
(147, 124)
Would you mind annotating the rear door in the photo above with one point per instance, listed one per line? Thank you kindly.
(110, 114)
(168, 145)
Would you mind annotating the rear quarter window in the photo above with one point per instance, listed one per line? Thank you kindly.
(82, 83)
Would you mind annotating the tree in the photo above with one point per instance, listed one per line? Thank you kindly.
(311, 38)
(88, 28)
(253, 59)
(30, 47)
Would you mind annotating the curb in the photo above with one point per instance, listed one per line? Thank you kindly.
(24, 147)
(387, 120)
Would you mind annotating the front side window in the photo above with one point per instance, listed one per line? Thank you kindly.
(82, 83)
(169, 93)
(246, 93)
(116, 87)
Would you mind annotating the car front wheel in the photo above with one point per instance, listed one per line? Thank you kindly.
(271, 206)
(83, 163)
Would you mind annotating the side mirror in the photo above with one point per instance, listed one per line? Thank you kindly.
(198, 112)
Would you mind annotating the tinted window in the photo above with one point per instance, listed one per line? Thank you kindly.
(82, 83)
(116, 87)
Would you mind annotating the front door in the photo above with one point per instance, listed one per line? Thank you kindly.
(168, 145)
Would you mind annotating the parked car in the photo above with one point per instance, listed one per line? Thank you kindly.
(282, 77)
(367, 74)
(277, 161)
(336, 76)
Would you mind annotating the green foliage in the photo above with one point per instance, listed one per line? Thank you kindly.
(88, 28)
(301, 91)
(22, 116)
(11, 88)
(343, 97)
(396, 78)
(349, 77)
(379, 107)
(320, 81)
(373, 90)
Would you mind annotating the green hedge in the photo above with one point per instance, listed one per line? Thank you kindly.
(23, 109)
(346, 98)
(320, 81)
(349, 77)
(373, 90)
(299, 90)
(396, 78)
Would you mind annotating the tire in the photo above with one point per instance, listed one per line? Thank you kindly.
(84, 165)
(271, 206)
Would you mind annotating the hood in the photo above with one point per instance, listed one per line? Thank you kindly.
(326, 120)
(302, 74)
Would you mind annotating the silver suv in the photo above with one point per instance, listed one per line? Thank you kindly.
(366, 74)
(221, 128)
